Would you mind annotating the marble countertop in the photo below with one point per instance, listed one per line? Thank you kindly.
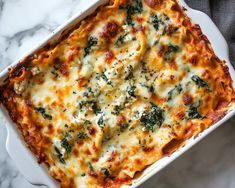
(23, 23)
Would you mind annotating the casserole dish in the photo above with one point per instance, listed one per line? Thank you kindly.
(161, 163)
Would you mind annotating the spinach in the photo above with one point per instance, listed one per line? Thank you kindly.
(96, 109)
(42, 111)
(136, 7)
(156, 116)
(117, 109)
(92, 103)
(104, 77)
(200, 82)
(120, 39)
(66, 145)
(100, 122)
(130, 73)
(54, 71)
(166, 17)
(173, 30)
(88, 93)
(131, 91)
(123, 126)
(90, 166)
(134, 39)
(85, 94)
(144, 68)
(156, 22)
(170, 51)
(105, 172)
(175, 91)
(87, 122)
(193, 111)
(164, 30)
(152, 89)
(92, 41)
(81, 135)
(59, 155)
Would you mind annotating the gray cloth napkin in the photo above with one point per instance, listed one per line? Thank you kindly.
(222, 13)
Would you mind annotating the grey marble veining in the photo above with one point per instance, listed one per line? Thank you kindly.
(23, 23)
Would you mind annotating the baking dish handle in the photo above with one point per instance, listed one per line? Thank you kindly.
(26, 163)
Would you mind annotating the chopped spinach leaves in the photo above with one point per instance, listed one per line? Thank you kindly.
(66, 145)
(155, 116)
(96, 109)
(43, 112)
(59, 155)
(174, 91)
(105, 172)
(117, 109)
(54, 72)
(130, 73)
(88, 92)
(193, 111)
(165, 17)
(100, 121)
(131, 91)
(123, 126)
(135, 7)
(87, 122)
(152, 89)
(90, 166)
(81, 135)
(92, 41)
(120, 39)
(134, 39)
(144, 68)
(104, 77)
(85, 94)
(172, 31)
(156, 22)
(92, 104)
(164, 30)
(200, 82)
(170, 51)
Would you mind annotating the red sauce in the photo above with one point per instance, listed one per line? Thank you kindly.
(81, 81)
(109, 56)
(188, 99)
(148, 149)
(113, 156)
(154, 3)
(92, 131)
(161, 51)
(194, 59)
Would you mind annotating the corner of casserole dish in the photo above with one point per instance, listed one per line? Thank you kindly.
(126, 87)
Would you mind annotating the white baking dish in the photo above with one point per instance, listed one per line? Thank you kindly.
(37, 174)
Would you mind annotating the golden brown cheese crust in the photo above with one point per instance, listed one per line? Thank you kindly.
(131, 84)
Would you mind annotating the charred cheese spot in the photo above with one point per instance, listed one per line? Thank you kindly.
(154, 4)
(188, 99)
(110, 30)
(109, 56)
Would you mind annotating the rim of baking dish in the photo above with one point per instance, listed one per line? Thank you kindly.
(37, 174)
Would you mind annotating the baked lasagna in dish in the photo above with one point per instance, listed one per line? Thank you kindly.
(127, 86)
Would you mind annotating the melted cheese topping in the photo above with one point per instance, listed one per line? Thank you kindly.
(118, 93)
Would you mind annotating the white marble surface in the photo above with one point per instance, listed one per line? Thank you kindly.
(23, 23)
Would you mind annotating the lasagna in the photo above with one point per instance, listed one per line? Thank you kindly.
(128, 85)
